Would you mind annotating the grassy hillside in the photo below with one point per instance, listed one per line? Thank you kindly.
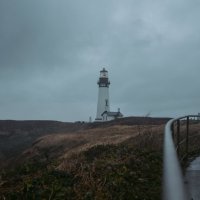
(117, 160)
(17, 136)
(20, 137)
(129, 170)
(98, 162)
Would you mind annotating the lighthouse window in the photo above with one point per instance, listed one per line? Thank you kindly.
(106, 102)
(103, 74)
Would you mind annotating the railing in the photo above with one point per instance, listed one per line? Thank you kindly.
(173, 184)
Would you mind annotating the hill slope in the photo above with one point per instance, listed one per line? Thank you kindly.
(17, 136)
(111, 162)
(25, 137)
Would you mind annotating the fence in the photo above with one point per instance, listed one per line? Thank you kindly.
(173, 184)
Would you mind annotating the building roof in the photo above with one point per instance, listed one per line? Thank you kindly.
(112, 114)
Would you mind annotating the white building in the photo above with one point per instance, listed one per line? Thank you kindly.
(103, 105)
(106, 116)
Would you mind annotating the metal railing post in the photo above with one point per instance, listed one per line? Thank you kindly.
(178, 137)
(173, 182)
(173, 131)
(187, 134)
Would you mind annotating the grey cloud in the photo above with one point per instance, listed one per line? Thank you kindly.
(51, 53)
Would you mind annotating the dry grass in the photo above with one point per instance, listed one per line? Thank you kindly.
(113, 162)
(138, 136)
(193, 140)
(64, 145)
(103, 163)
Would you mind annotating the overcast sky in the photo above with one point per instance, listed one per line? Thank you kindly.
(51, 52)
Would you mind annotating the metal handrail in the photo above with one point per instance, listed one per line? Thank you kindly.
(173, 184)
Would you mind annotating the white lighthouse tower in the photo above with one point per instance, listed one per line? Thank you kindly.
(103, 96)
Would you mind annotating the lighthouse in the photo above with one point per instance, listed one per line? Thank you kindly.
(103, 104)
(103, 94)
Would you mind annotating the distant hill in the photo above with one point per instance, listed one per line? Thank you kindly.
(18, 136)
(132, 121)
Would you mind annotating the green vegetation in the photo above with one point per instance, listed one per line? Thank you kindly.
(124, 171)
(130, 169)
(36, 181)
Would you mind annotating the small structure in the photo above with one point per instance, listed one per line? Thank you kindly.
(103, 105)
(111, 115)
